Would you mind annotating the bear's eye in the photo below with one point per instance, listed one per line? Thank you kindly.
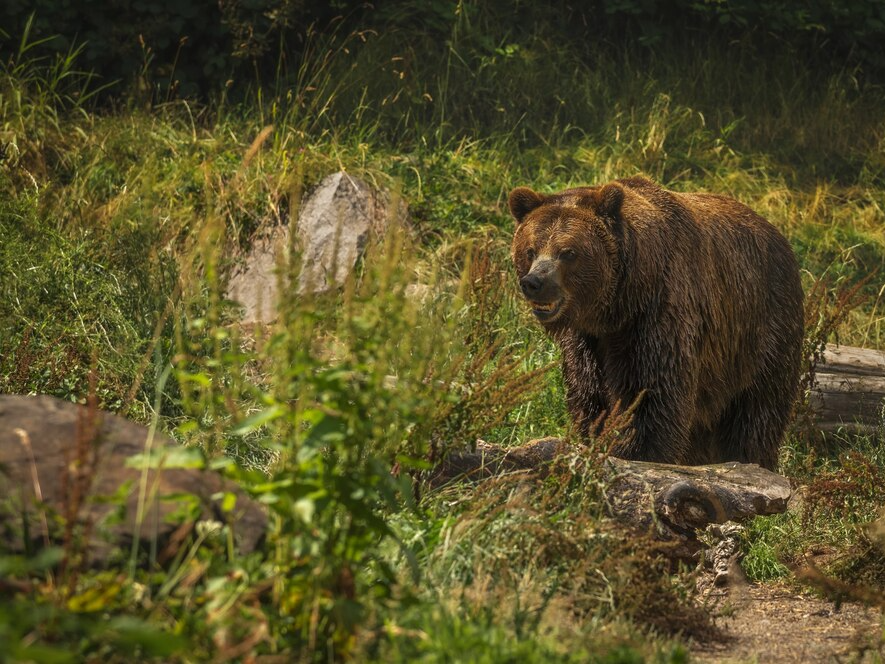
(530, 254)
(567, 255)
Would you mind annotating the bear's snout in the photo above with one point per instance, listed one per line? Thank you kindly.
(530, 284)
(541, 288)
(541, 283)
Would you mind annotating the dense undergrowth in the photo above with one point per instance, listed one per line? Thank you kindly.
(117, 228)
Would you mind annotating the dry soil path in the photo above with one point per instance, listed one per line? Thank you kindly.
(773, 623)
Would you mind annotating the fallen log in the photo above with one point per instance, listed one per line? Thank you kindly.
(670, 502)
(849, 391)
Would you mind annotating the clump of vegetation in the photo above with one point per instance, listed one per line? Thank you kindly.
(120, 223)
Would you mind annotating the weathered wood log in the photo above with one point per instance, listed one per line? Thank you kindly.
(849, 390)
(669, 501)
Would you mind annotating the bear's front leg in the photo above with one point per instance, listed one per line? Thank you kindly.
(585, 391)
(658, 430)
(655, 379)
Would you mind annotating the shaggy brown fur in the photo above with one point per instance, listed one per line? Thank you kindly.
(690, 303)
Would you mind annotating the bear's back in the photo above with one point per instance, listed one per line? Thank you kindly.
(729, 274)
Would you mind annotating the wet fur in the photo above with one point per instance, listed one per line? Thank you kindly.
(690, 301)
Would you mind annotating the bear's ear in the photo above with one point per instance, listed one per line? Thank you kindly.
(609, 201)
(522, 201)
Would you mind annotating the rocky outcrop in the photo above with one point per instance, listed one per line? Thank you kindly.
(335, 222)
(65, 474)
(334, 225)
(254, 283)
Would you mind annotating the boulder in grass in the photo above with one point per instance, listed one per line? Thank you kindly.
(253, 283)
(334, 226)
(66, 471)
(335, 222)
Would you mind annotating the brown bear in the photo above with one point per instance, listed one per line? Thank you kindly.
(687, 306)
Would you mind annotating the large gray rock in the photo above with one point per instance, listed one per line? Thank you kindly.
(253, 284)
(336, 221)
(64, 474)
(334, 226)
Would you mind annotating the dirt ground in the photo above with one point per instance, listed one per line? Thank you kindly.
(774, 623)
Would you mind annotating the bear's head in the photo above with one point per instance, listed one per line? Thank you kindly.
(567, 253)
